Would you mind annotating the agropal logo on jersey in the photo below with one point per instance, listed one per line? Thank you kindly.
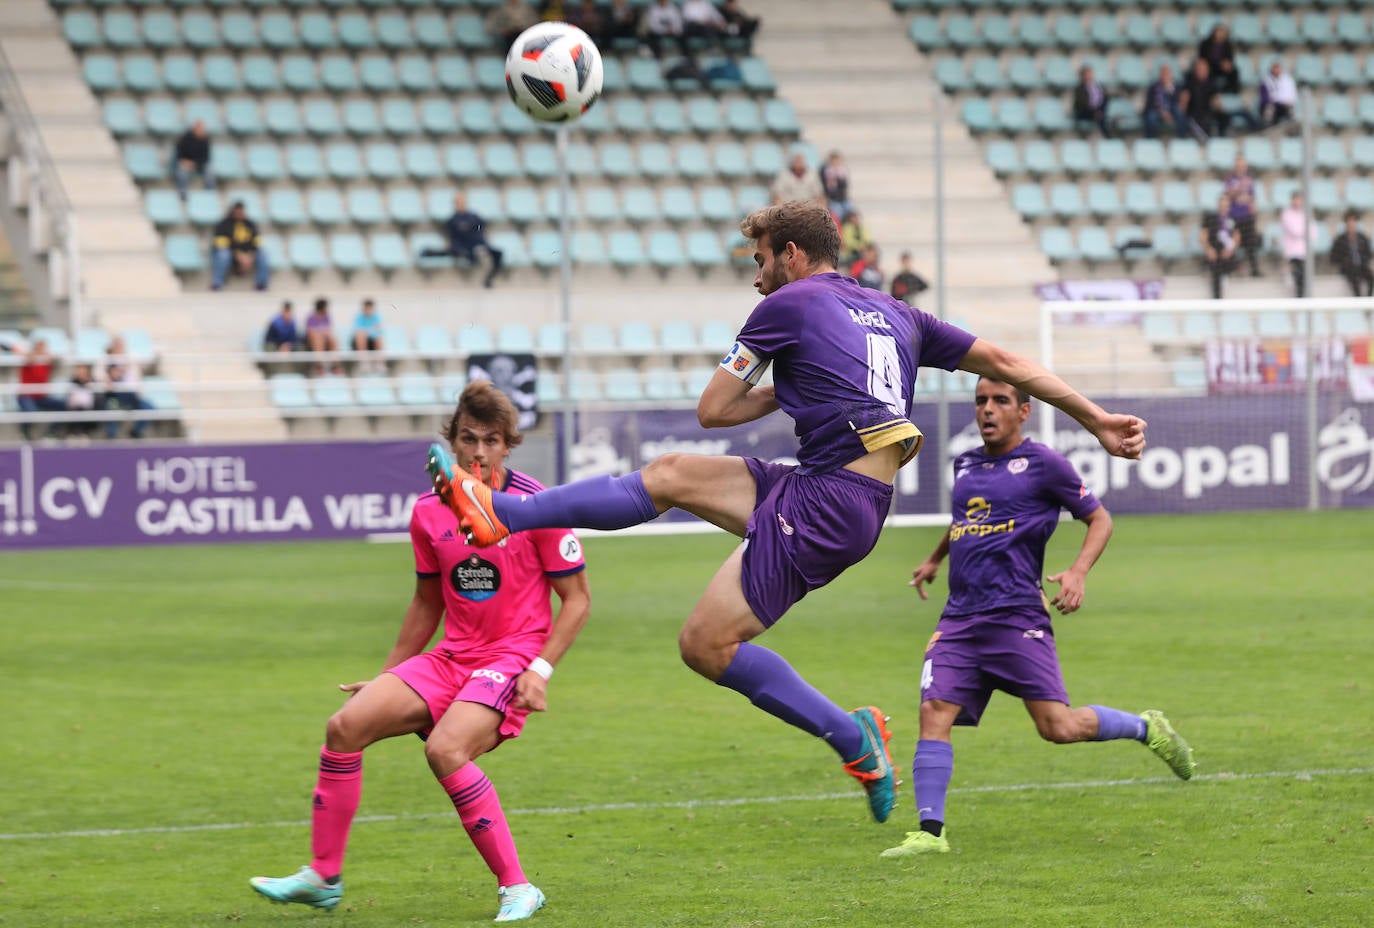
(475, 578)
(979, 524)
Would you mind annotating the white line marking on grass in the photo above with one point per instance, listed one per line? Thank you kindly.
(685, 804)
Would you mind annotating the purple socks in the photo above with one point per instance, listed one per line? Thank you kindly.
(1113, 724)
(598, 502)
(773, 686)
(931, 770)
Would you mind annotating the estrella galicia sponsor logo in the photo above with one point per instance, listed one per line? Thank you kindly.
(475, 578)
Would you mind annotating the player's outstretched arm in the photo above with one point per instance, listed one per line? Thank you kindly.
(929, 569)
(1122, 435)
(575, 604)
(1073, 581)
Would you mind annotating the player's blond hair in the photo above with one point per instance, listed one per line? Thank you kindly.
(805, 223)
(482, 402)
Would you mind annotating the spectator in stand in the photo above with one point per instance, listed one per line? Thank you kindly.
(835, 183)
(663, 25)
(34, 376)
(740, 24)
(466, 234)
(1219, 243)
(622, 21)
(908, 285)
(797, 182)
(1298, 236)
(589, 19)
(866, 270)
(82, 396)
(1240, 188)
(192, 156)
(319, 334)
(122, 380)
(554, 11)
(508, 20)
(238, 247)
(1201, 102)
(854, 237)
(702, 19)
(1278, 96)
(281, 331)
(1090, 102)
(1162, 112)
(1220, 56)
(1350, 254)
(367, 335)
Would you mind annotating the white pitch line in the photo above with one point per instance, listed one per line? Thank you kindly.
(685, 804)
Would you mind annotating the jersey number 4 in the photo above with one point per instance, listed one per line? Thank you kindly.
(885, 372)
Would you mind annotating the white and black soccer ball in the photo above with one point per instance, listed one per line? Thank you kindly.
(554, 72)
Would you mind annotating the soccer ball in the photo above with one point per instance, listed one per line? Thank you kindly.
(553, 72)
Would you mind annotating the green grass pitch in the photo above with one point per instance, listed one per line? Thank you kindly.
(163, 708)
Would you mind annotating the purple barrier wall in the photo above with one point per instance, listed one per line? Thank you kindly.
(1205, 454)
(69, 497)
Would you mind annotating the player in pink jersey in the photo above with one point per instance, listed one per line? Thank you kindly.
(473, 690)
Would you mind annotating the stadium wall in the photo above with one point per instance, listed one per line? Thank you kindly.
(175, 494)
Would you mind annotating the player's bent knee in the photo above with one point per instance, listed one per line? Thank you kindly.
(701, 653)
(444, 759)
(665, 477)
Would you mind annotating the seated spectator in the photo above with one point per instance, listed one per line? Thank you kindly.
(122, 380)
(589, 19)
(739, 24)
(508, 20)
(1201, 102)
(663, 26)
(1090, 102)
(1298, 236)
(622, 21)
(367, 335)
(82, 396)
(554, 11)
(1219, 243)
(237, 248)
(701, 19)
(1278, 96)
(866, 270)
(192, 156)
(854, 237)
(1350, 254)
(466, 234)
(1220, 56)
(35, 374)
(1161, 111)
(835, 183)
(281, 331)
(319, 334)
(796, 182)
(908, 285)
(1240, 188)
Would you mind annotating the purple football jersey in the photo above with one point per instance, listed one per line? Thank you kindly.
(1005, 510)
(844, 364)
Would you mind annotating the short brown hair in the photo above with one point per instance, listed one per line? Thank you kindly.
(803, 222)
(483, 403)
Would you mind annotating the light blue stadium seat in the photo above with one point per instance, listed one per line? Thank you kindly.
(475, 338)
(678, 203)
(623, 385)
(343, 161)
(462, 161)
(454, 74)
(522, 205)
(549, 341)
(977, 114)
(1103, 200)
(1013, 116)
(303, 161)
(421, 161)
(1169, 242)
(1058, 245)
(282, 117)
(540, 160)
(365, 207)
(1188, 373)
(90, 344)
(289, 391)
(1066, 201)
(264, 162)
(242, 116)
(359, 117)
(667, 117)
(374, 391)
(383, 161)
(146, 162)
(596, 338)
(703, 114)
(730, 159)
(102, 73)
(717, 204)
(1338, 112)
(637, 338)
(285, 206)
(163, 117)
(1023, 73)
(1040, 158)
(433, 341)
(512, 121)
(415, 74)
(663, 384)
(546, 249)
(299, 74)
(1329, 154)
(655, 159)
(331, 392)
(305, 252)
(1029, 201)
(430, 31)
(501, 159)
(514, 338)
(416, 389)
(1077, 156)
(1095, 244)
(81, 28)
(120, 30)
(780, 117)
(1176, 198)
(470, 32)
(164, 207)
(185, 253)
(692, 159)
(678, 336)
(475, 117)
(986, 74)
(626, 249)
(1359, 193)
(665, 250)
(703, 248)
(1199, 326)
(485, 202)
(338, 74)
(645, 76)
(639, 204)
(952, 75)
(490, 73)
(1004, 157)
(1352, 29)
(1140, 201)
(552, 207)
(766, 158)
(204, 207)
(406, 207)
(388, 253)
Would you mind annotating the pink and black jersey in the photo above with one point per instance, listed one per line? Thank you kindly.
(844, 364)
(496, 600)
(1005, 510)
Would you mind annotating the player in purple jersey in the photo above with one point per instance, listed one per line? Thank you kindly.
(844, 364)
(471, 691)
(994, 632)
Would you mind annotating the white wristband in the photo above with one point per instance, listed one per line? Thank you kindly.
(541, 667)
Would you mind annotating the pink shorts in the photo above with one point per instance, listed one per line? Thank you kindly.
(440, 680)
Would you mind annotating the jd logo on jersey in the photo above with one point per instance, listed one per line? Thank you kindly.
(475, 579)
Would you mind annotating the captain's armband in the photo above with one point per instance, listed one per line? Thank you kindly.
(744, 364)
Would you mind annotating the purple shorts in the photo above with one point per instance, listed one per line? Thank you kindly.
(805, 530)
(969, 658)
(441, 680)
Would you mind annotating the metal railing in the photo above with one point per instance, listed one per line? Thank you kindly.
(32, 183)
